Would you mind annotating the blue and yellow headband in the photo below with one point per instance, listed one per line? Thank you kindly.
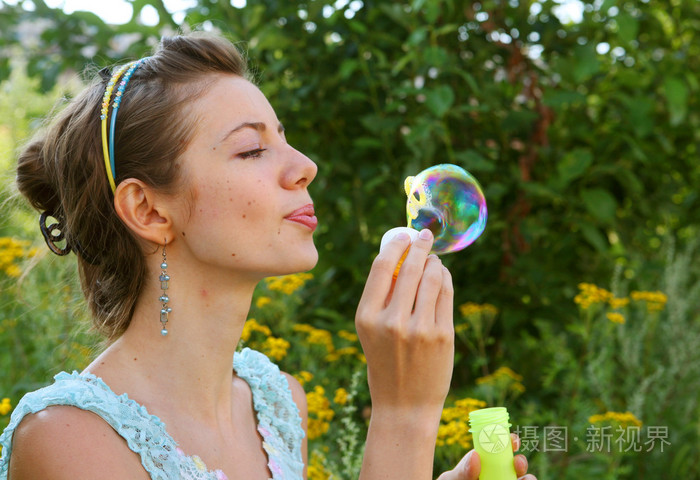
(108, 141)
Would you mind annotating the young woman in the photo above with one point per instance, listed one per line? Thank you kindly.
(172, 182)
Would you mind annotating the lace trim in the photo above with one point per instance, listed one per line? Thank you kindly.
(278, 417)
(276, 412)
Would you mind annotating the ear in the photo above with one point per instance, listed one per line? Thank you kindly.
(143, 211)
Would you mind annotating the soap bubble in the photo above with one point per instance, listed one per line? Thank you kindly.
(447, 200)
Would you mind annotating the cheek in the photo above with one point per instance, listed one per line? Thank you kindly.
(219, 199)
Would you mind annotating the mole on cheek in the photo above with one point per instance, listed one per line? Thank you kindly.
(183, 234)
(244, 215)
(233, 254)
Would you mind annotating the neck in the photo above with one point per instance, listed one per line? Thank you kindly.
(190, 369)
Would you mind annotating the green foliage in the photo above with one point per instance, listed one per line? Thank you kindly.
(563, 138)
(584, 135)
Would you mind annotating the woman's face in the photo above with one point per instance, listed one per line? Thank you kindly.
(250, 209)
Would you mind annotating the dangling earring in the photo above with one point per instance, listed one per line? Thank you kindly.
(164, 299)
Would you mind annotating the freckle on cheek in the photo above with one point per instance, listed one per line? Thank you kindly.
(244, 215)
(233, 254)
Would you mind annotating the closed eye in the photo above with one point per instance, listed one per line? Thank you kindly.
(256, 153)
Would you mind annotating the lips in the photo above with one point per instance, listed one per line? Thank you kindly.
(304, 216)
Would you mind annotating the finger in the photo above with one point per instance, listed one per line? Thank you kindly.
(379, 280)
(412, 270)
(444, 306)
(468, 468)
(520, 463)
(429, 289)
(472, 468)
(515, 441)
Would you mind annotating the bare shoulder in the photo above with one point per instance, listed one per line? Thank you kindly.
(63, 442)
(298, 394)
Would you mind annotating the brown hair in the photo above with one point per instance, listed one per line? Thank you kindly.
(61, 170)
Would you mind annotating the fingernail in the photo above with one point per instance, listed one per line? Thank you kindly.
(469, 457)
(401, 236)
(425, 234)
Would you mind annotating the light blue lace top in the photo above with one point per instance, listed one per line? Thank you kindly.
(279, 422)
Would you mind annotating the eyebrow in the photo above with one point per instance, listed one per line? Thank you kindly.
(259, 126)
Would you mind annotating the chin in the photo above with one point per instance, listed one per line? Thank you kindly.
(300, 263)
(307, 262)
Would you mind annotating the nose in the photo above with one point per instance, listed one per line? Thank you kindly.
(300, 172)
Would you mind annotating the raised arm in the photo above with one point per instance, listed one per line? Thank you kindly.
(407, 334)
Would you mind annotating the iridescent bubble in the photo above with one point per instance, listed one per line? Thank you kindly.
(449, 201)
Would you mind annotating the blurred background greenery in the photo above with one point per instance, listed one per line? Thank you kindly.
(578, 308)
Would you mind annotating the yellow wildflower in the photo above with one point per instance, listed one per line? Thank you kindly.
(590, 295)
(505, 377)
(461, 328)
(341, 352)
(253, 326)
(361, 357)
(455, 432)
(13, 271)
(262, 301)
(320, 413)
(615, 317)
(454, 428)
(11, 251)
(470, 308)
(655, 300)
(623, 419)
(349, 336)
(618, 302)
(316, 336)
(288, 284)
(320, 337)
(341, 396)
(461, 409)
(5, 406)
(316, 469)
(304, 377)
(275, 348)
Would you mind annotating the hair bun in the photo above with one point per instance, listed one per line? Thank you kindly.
(33, 178)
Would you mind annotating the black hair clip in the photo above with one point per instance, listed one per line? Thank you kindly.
(53, 233)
